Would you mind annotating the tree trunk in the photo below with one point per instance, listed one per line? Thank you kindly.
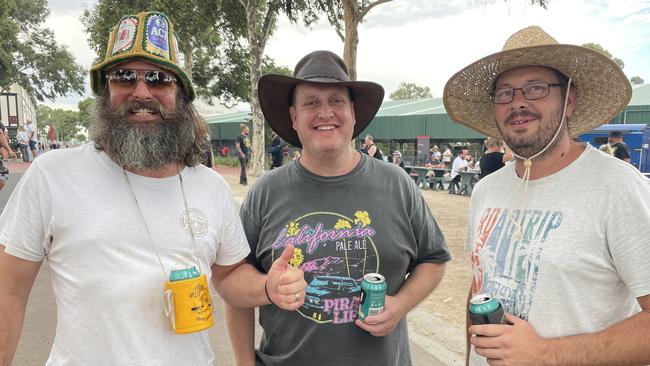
(259, 151)
(351, 21)
(260, 17)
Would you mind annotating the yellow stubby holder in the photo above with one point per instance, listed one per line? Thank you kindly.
(188, 304)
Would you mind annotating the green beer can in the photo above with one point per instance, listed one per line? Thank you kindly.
(373, 293)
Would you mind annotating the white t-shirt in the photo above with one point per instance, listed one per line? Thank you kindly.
(583, 256)
(459, 164)
(31, 132)
(74, 207)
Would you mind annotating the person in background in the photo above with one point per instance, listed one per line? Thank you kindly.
(435, 157)
(551, 237)
(23, 143)
(447, 155)
(276, 150)
(459, 165)
(397, 159)
(243, 146)
(372, 149)
(493, 159)
(33, 138)
(618, 147)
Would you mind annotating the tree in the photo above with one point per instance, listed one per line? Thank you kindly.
(30, 57)
(636, 80)
(65, 123)
(410, 91)
(261, 19)
(599, 48)
(209, 33)
(86, 112)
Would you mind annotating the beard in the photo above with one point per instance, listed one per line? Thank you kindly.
(529, 145)
(149, 145)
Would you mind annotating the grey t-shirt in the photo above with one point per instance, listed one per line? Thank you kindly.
(372, 219)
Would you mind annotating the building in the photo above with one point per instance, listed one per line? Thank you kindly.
(411, 126)
(17, 108)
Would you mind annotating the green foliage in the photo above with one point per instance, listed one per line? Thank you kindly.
(80, 137)
(86, 112)
(636, 80)
(226, 160)
(29, 55)
(410, 91)
(599, 48)
(209, 33)
(65, 123)
(269, 67)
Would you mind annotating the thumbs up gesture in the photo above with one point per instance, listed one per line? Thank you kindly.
(285, 285)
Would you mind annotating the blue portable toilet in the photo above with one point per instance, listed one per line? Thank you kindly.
(636, 136)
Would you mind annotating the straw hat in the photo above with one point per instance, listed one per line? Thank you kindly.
(148, 36)
(319, 67)
(602, 90)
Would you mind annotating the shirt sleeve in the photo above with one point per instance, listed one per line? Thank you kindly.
(232, 247)
(628, 230)
(25, 224)
(431, 244)
(252, 227)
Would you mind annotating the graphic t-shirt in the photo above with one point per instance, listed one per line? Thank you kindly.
(342, 228)
(244, 144)
(582, 255)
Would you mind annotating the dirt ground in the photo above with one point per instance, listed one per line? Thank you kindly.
(448, 301)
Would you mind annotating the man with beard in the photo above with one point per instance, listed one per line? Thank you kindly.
(130, 218)
(348, 215)
(551, 237)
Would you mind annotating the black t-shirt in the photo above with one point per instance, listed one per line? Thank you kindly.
(244, 143)
(621, 150)
(490, 163)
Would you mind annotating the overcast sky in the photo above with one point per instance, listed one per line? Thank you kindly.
(426, 41)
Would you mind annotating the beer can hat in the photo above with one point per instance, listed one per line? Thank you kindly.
(602, 89)
(148, 36)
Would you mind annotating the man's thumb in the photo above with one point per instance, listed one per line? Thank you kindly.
(283, 261)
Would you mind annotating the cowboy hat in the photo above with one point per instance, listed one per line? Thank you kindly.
(602, 90)
(319, 67)
(148, 36)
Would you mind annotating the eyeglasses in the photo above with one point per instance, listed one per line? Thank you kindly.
(125, 80)
(530, 91)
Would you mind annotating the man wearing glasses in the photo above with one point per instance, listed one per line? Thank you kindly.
(125, 218)
(550, 236)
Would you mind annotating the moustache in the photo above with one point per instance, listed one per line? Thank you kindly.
(133, 106)
(522, 113)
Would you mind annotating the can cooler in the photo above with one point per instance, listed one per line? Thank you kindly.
(188, 304)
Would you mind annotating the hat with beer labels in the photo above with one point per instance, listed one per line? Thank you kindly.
(148, 36)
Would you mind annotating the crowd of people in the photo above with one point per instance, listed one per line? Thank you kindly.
(137, 232)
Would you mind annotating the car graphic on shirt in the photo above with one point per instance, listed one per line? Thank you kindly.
(329, 287)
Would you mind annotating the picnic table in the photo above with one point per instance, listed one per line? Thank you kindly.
(419, 174)
(466, 182)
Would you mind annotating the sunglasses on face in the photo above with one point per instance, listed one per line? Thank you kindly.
(158, 81)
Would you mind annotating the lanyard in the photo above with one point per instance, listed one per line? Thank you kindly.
(144, 221)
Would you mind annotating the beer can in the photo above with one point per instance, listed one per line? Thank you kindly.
(373, 294)
(484, 309)
(183, 274)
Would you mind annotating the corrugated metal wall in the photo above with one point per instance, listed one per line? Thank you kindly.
(437, 126)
